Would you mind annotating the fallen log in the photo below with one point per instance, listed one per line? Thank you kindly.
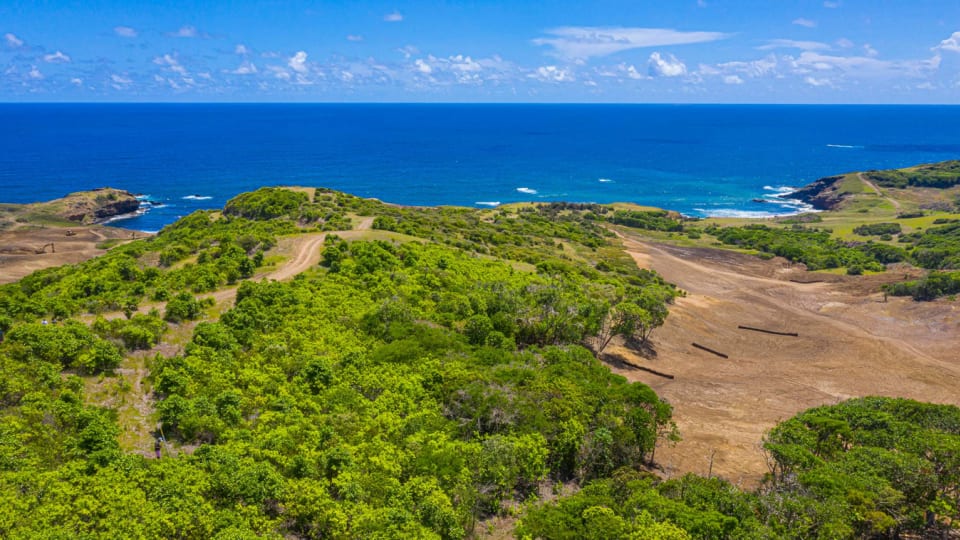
(709, 350)
(622, 360)
(774, 332)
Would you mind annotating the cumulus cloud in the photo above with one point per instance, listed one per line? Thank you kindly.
(792, 44)
(395, 16)
(552, 74)
(12, 40)
(805, 22)
(354, 37)
(844, 43)
(754, 68)
(125, 31)
(298, 62)
(56, 58)
(170, 62)
(35, 73)
(185, 32)
(120, 79)
(870, 51)
(583, 42)
(76, 81)
(408, 51)
(241, 49)
(732, 79)
(665, 66)
(951, 44)
(423, 67)
(246, 68)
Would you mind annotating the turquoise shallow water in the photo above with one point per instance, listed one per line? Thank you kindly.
(697, 159)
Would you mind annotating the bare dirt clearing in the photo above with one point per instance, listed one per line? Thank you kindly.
(851, 343)
(18, 247)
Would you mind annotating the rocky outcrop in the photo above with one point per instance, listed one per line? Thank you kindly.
(824, 194)
(95, 206)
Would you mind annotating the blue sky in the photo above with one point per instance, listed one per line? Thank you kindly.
(681, 51)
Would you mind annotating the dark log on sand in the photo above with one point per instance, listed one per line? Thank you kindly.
(709, 350)
(774, 332)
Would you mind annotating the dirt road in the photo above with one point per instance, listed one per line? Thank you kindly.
(851, 343)
(872, 186)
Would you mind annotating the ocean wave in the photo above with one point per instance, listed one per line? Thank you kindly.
(844, 146)
(197, 197)
(527, 190)
(780, 190)
(605, 180)
(487, 203)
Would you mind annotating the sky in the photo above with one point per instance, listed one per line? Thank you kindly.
(639, 51)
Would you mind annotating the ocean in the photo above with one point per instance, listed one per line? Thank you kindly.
(702, 160)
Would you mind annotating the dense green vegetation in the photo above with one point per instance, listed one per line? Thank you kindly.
(937, 175)
(424, 377)
(935, 248)
(402, 389)
(878, 229)
(813, 247)
(866, 468)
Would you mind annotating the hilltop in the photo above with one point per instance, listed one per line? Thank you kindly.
(326, 365)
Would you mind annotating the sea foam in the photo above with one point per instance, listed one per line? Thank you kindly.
(197, 197)
(487, 203)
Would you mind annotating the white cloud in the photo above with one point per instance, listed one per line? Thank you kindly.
(408, 51)
(582, 42)
(831, 5)
(423, 67)
(844, 43)
(669, 66)
(732, 79)
(119, 79)
(754, 68)
(925, 86)
(56, 58)
(805, 22)
(171, 63)
(35, 73)
(246, 68)
(12, 40)
(298, 62)
(817, 82)
(870, 51)
(951, 44)
(279, 73)
(867, 67)
(185, 32)
(76, 81)
(354, 37)
(241, 49)
(792, 44)
(395, 16)
(125, 31)
(552, 74)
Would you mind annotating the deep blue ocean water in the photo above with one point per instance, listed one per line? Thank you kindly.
(697, 159)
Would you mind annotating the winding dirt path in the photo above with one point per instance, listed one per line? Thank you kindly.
(137, 405)
(851, 344)
(876, 189)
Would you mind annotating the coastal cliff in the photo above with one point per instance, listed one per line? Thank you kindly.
(823, 194)
(83, 207)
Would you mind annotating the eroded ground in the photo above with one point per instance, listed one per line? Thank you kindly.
(851, 343)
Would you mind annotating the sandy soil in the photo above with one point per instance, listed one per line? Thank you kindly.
(851, 343)
(18, 257)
